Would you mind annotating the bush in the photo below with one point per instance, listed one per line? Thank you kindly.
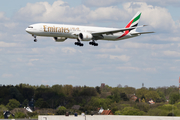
(3, 108)
(131, 111)
(173, 98)
(168, 107)
(1, 115)
(117, 112)
(32, 114)
(13, 103)
(142, 106)
(177, 112)
(60, 112)
(20, 115)
(61, 108)
(157, 112)
(114, 109)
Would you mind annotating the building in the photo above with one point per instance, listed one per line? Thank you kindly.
(132, 97)
(107, 112)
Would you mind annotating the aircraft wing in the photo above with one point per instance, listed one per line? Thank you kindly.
(115, 31)
(112, 31)
(139, 33)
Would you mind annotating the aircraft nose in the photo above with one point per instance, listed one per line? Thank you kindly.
(27, 30)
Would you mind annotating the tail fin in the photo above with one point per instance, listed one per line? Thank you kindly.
(134, 21)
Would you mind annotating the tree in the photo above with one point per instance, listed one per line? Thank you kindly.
(67, 90)
(100, 102)
(116, 94)
(142, 106)
(62, 108)
(167, 107)
(131, 111)
(98, 89)
(44, 105)
(58, 89)
(28, 93)
(88, 91)
(141, 92)
(173, 98)
(124, 97)
(25, 103)
(129, 90)
(15, 94)
(119, 86)
(13, 103)
(39, 102)
(143, 100)
(151, 95)
(3, 108)
(157, 112)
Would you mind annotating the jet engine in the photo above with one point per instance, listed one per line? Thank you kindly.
(59, 39)
(85, 36)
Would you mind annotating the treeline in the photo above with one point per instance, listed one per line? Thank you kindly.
(118, 99)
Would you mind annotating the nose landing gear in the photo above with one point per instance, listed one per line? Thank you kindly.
(35, 40)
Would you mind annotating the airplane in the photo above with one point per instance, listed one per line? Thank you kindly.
(61, 32)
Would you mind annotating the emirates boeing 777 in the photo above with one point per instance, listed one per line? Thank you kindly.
(61, 32)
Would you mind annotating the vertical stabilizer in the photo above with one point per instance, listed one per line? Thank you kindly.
(134, 21)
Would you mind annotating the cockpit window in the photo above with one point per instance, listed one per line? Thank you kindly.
(30, 27)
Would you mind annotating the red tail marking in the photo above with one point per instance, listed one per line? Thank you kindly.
(127, 31)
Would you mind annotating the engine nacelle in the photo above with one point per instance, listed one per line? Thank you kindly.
(85, 36)
(59, 39)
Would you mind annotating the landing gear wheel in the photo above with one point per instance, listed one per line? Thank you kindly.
(35, 40)
(79, 44)
(93, 43)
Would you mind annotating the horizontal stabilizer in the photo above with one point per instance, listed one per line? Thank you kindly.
(139, 33)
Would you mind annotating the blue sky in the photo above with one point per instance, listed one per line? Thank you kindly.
(152, 59)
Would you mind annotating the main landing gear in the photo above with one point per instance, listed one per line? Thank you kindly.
(93, 43)
(78, 43)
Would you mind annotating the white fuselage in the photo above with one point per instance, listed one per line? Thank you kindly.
(72, 31)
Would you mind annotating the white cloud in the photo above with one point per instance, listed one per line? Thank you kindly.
(11, 25)
(59, 11)
(68, 50)
(146, 45)
(112, 50)
(155, 16)
(171, 53)
(150, 69)
(163, 37)
(107, 13)
(101, 3)
(7, 75)
(129, 68)
(47, 50)
(175, 69)
(4, 44)
(30, 63)
(123, 58)
(2, 17)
